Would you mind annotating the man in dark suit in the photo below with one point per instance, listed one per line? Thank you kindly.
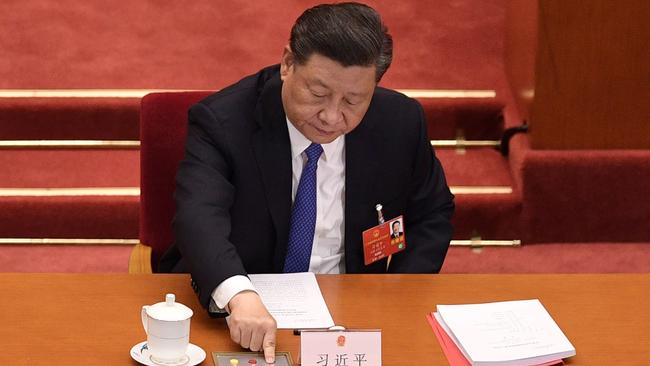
(283, 170)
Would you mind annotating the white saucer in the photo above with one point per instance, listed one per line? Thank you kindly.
(140, 353)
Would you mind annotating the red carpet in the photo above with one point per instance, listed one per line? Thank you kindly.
(475, 167)
(65, 258)
(69, 217)
(207, 44)
(69, 168)
(75, 216)
(69, 118)
(147, 44)
(487, 216)
(477, 119)
(587, 195)
(118, 118)
(551, 258)
(538, 258)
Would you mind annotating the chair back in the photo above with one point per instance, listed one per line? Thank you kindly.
(163, 130)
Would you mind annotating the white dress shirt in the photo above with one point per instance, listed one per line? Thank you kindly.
(327, 255)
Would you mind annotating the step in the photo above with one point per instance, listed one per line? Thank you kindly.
(531, 258)
(611, 257)
(64, 258)
(114, 115)
(56, 213)
(59, 118)
(94, 216)
(488, 205)
(469, 118)
(475, 167)
(69, 193)
(496, 216)
(69, 168)
(586, 195)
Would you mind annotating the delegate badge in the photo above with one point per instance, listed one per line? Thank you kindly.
(383, 240)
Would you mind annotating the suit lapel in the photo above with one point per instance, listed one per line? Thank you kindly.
(272, 150)
(362, 164)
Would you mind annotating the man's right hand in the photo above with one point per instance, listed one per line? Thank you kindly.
(251, 325)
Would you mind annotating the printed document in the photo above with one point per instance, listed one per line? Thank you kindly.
(505, 333)
(293, 299)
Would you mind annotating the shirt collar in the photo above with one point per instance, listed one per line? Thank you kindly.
(299, 143)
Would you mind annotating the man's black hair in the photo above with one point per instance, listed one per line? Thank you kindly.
(349, 33)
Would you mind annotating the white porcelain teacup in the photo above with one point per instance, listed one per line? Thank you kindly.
(167, 325)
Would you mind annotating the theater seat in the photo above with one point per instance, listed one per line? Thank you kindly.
(163, 128)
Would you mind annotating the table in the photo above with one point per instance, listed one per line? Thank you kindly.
(94, 319)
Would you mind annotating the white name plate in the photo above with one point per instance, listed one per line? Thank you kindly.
(340, 347)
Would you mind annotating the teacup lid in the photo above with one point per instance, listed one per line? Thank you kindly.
(169, 310)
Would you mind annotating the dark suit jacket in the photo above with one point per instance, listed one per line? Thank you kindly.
(233, 188)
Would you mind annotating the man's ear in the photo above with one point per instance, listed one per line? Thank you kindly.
(287, 62)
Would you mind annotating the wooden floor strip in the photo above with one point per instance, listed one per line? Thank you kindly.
(139, 93)
(69, 144)
(481, 189)
(485, 243)
(80, 93)
(136, 144)
(135, 191)
(465, 143)
(94, 241)
(432, 93)
(66, 241)
(61, 192)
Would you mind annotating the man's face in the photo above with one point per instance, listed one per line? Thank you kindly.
(324, 99)
(396, 227)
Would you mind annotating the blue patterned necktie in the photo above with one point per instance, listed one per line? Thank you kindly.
(303, 215)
